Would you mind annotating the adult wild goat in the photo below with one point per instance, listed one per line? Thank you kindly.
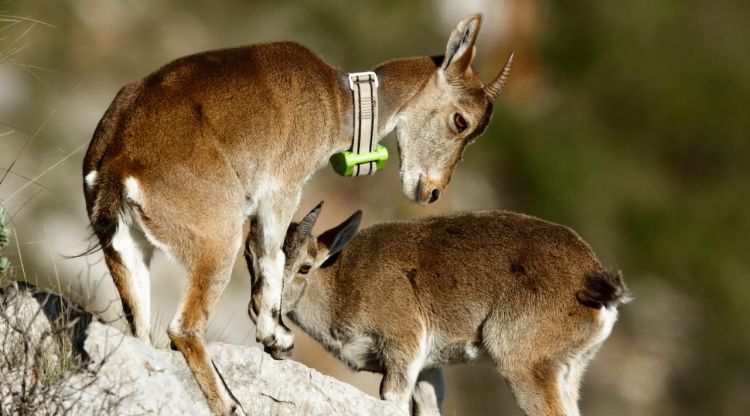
(182, 157)
(406, 298)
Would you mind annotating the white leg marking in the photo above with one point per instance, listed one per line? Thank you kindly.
(425, 343)
(135, 254)
(274, 208)
(570, 376)
(272, 270)
(90, 179)
(567, 384)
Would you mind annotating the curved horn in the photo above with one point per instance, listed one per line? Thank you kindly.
(494, 88)
(307, 223)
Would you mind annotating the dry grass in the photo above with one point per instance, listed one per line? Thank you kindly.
(43, 367)
(41, 354)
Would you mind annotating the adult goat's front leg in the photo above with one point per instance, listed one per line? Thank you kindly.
(274, 217)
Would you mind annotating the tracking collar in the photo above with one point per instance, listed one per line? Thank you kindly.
(366, 156)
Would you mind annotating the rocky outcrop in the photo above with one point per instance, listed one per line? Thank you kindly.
(125, 377)
(159, 382)
(41, 340)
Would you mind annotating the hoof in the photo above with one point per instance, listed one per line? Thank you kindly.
(279, 353)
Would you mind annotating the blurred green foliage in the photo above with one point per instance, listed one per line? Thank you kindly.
(649, 139)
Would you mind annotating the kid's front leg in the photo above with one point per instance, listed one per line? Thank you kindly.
(396, 387)
(428, 393)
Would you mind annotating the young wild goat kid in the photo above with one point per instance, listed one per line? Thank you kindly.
(184, 156)
(406, 298)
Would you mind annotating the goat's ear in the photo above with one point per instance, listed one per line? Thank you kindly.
(307, 223)
(335, 239)
(460, 50)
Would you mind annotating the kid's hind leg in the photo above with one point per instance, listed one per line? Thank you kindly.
(569, 382)
(534, 378)
(570, 378)
(536, 388)
(128, 259)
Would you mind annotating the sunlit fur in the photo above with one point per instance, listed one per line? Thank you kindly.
(407, 298)
(185, 155)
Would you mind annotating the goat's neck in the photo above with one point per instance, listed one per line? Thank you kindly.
(400, 80)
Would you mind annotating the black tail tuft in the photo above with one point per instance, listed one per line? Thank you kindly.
(93, 248)
(103, 230)
(107, 206)
(603, 289)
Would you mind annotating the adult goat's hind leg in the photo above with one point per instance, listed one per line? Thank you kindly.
(209, 272)
(128, 258)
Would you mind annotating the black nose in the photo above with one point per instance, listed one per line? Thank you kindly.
(434, 195)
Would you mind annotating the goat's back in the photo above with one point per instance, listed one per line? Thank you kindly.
(222, 106)
(453, 271)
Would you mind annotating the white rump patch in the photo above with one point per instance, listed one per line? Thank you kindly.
(607, 319)
(90, 179)
(133, 190)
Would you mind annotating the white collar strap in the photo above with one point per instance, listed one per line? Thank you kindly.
(364, 86)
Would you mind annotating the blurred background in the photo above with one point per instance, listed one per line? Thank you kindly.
(627, 121)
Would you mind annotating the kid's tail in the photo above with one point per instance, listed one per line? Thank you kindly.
(603, 289)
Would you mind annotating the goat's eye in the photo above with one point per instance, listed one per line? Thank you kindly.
(460, 122)
(305, 269)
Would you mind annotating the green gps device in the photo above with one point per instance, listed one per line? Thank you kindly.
(344, 162)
